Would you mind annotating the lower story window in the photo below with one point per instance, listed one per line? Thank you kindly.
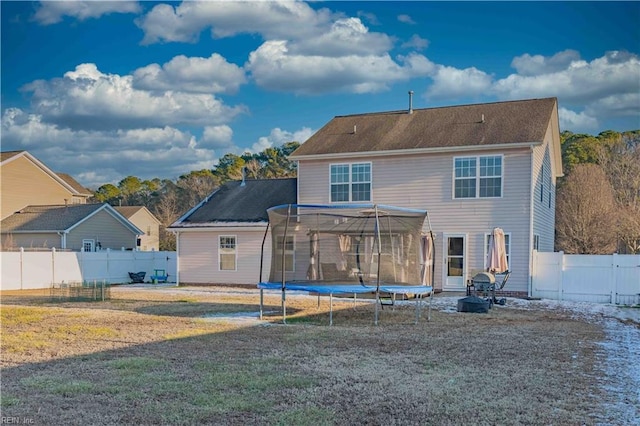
(227, 253)
(285, 247)
(88, 245)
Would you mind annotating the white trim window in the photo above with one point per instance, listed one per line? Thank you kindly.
(507, 245)
(477, 177)
(287, 250)
(227, 252)
(350, 182)
(88, 245)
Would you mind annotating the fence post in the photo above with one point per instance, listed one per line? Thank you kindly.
(561, 280)
(21, 267)
(613, 291)
(53, 266)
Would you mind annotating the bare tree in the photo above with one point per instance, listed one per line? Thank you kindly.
(586, 213)
(620, 159)
(168, 209)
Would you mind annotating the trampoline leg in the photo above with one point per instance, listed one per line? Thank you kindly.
(417, 311)
(429, 312)
(284, 307)
(261, 302)
(377, 303)
(330, 309)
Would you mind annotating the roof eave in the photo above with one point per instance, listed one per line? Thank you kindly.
(396, 152)
(217, 226)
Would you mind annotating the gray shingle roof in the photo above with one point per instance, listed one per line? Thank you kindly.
(47, 218)
(233, 202)
(74, 184)
(446, 127)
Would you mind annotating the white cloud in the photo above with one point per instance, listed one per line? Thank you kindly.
(52, 12)
(451, 82)
(416, 42)
(98, 157)
(271, 19)
(406, 19)
(195, 74)
(345, 37)
(579, 82)
(217, 137)
(272, 66)
(278, 137)
(89, 99)
(529, 65)
(573, 120)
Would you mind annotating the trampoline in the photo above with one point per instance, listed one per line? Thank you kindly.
(348, 249)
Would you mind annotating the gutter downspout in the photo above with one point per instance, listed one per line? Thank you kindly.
(63, 239)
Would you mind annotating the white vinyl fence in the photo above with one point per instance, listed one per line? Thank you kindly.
(587, 278)
(22, 270)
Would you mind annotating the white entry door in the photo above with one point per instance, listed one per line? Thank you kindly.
(454, 262)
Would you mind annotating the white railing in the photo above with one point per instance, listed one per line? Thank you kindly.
(22, 270)
(586, 278)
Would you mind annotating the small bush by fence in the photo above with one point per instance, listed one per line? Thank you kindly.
(81, 292)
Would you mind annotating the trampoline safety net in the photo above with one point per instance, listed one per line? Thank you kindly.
(372, 245)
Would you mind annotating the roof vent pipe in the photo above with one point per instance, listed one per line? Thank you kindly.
(243, 177)
(482, 121)
(355, 128)
(410, 101)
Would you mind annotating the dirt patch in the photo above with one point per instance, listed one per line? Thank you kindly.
(177, 356)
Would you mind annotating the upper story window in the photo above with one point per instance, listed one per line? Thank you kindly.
(477, 177)
(350, 182)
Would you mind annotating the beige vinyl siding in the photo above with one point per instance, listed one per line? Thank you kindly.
(24, 183)
(544, 210)
(198, 262)
(150, 240)
(104, 229)
(426, 182)
(31, 240)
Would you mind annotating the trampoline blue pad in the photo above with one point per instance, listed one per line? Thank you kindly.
(347, 288)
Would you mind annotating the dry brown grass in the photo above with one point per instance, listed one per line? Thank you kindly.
(148, 357)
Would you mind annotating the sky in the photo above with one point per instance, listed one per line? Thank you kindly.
(106, 90)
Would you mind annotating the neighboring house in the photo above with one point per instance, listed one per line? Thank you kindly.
(472, 167)
(141, 217)
(220, 240)
(25, 181)
(81, 227)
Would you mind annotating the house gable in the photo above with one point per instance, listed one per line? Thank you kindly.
(36, 226)
(26, 181)
(141, 217)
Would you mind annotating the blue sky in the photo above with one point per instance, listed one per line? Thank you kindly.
(103, 90)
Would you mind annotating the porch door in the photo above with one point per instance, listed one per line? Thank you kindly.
(454, 262)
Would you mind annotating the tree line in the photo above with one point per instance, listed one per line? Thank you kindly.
(597, 205)
(598, 199)
(169, 199)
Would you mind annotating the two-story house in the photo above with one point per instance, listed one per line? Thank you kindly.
(42, 209)
(27, 181)
(472, 167)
